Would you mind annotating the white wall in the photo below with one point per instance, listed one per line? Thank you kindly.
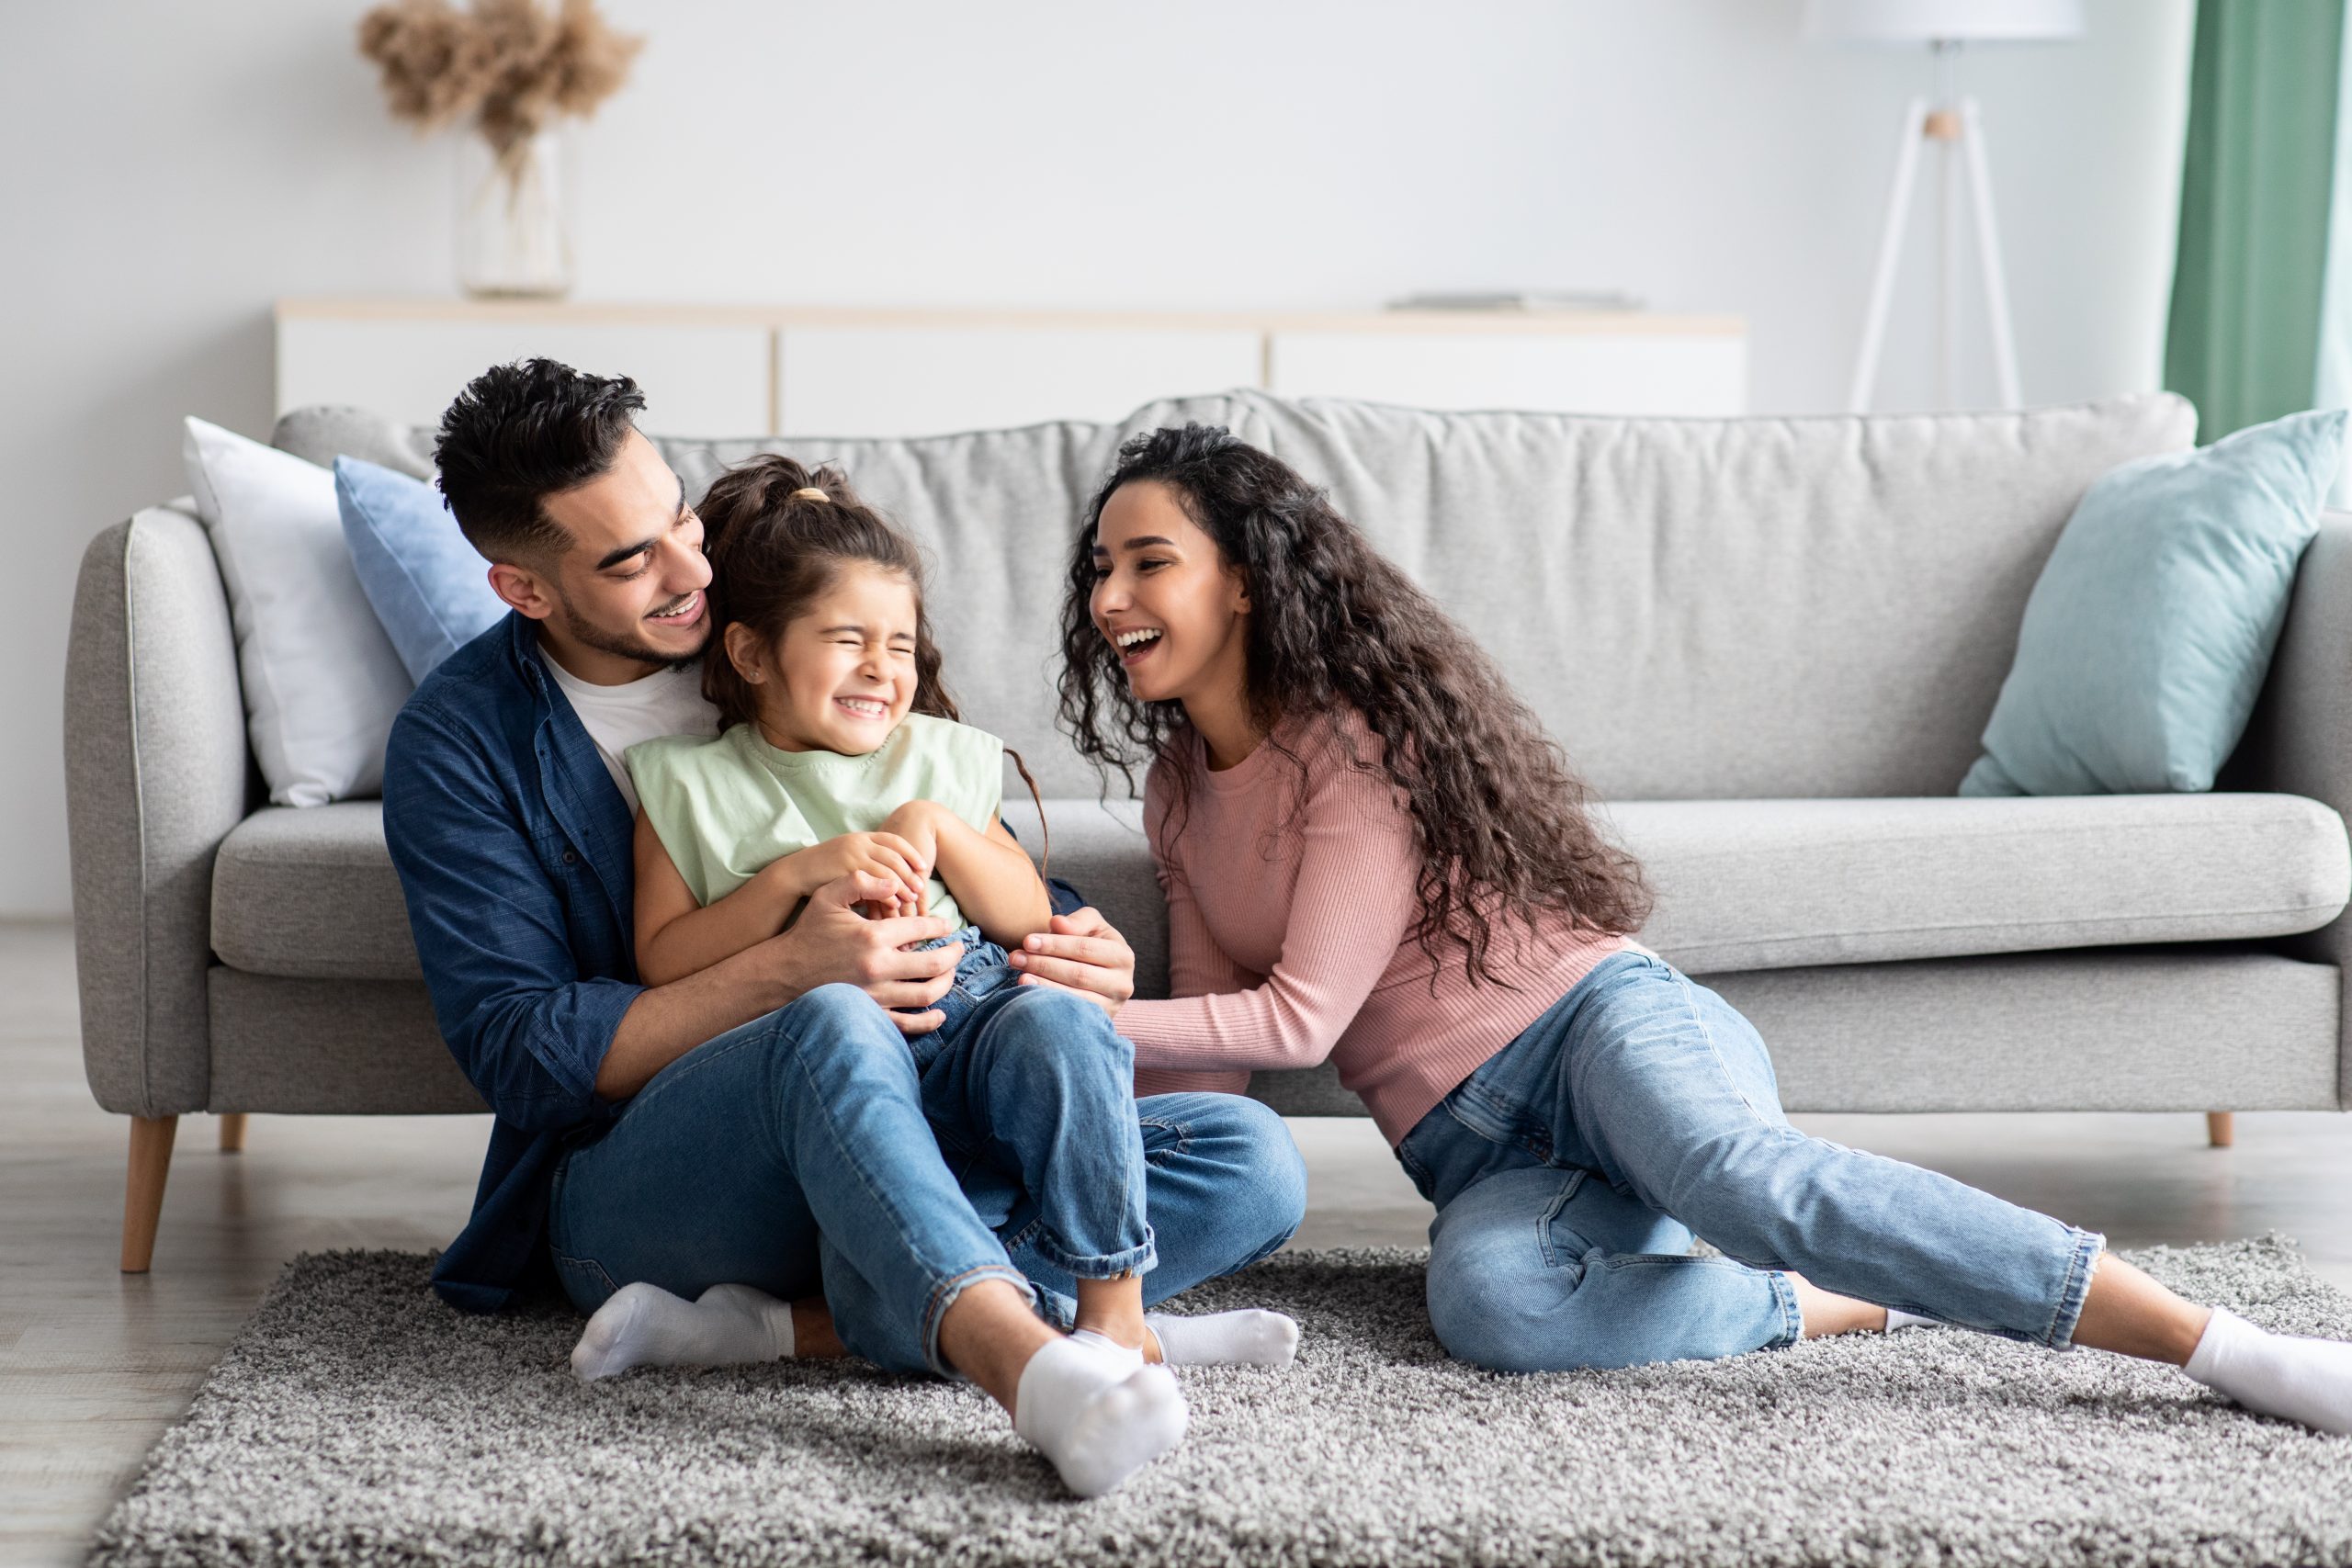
(171, 169)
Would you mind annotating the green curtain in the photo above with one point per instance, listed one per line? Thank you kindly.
(2242, 342)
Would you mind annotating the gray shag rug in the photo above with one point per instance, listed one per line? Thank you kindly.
(357, 1421)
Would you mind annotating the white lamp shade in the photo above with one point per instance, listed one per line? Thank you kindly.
(1924, 21)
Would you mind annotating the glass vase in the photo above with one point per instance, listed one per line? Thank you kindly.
(513, 238)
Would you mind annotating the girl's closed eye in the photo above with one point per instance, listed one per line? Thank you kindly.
(842, 670)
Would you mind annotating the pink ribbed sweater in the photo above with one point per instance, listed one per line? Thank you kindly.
(1289, 938)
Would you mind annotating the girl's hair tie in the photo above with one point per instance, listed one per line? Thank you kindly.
(809, 490)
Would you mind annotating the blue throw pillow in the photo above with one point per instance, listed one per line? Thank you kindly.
(2149, 633)
(429, 588)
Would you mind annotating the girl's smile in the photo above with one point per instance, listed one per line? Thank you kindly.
(842, 674)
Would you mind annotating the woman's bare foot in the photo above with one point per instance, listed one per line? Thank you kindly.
(1825, 1314)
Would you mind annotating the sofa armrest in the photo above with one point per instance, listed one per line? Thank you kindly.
(156, 773)
(2299, 740)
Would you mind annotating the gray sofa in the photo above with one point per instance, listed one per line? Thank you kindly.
(1769, 644)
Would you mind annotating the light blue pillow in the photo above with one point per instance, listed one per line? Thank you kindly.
(429, 588)
(2149, 633)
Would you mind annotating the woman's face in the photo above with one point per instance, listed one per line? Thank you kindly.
(1167, 599)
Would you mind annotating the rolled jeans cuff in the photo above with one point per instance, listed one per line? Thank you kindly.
(1785, 1295)
(2089, 1245)
(945, 1294)
(1137, 1259)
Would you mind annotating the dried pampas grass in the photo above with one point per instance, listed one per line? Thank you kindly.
(514, 66)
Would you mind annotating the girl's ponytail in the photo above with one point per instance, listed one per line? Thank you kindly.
(776, 533)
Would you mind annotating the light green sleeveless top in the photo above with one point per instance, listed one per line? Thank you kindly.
(728, 805)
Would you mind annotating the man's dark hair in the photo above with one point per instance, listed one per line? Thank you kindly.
(519, 433)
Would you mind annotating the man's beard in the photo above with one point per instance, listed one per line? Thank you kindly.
(603, 641)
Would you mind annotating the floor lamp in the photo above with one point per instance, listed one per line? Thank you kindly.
(1956, 127)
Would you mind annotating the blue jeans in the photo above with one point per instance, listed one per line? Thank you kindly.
(818, 1149)
(1571, 1169)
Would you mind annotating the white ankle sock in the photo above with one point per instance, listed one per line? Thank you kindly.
(1250, 1337)
(1897, 1318)
(645, 1325)
(2303, 1380)
(1097, 1415)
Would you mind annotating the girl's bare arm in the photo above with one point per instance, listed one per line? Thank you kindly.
(677, 937)
(988, 872)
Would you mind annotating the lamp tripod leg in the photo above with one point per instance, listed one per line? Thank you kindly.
(1988, 256)
(1890, 254)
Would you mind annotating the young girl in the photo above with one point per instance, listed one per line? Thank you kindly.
(841, 752)
(1372, 853)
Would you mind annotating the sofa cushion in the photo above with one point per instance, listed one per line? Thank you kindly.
(1698, 609)
(312, 893)
(430, 590)
(1741, 885)
(322, 682)
(1737, 609)
(2149, 632)
(1783, 883)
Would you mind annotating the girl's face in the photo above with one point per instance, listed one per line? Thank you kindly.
(1166, 600)
(842, 675)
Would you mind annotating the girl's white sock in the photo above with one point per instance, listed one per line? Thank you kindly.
(645, 1325)
(1096, 1413)
(2303, 1380)
(1250, 1337)
(1896, 1318)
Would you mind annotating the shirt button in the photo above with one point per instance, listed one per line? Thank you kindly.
(570, 857)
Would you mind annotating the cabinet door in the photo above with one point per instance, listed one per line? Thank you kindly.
(1565, 372)
(698, 380)
(923, 381)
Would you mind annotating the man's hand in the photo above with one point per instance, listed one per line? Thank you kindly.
(832, 941)
(1080, 953)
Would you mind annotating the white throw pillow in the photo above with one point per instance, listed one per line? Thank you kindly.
(322, 682)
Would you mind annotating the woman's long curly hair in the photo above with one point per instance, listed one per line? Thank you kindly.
(1499, 816)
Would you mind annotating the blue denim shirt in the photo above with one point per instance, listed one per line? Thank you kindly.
(512, 849)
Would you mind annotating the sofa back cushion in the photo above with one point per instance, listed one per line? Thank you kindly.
(1697, 608)
(1735, 608)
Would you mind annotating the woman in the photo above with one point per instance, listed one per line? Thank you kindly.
(1371, 854)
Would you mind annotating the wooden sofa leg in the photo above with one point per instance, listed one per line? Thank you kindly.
(233, 1132)
(142, 1198)
(2221, 1128)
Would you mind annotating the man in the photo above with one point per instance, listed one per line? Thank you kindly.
(510, 818)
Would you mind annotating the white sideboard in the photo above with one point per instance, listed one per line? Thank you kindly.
(710, 370)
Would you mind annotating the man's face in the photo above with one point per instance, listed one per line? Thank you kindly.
(626, 596)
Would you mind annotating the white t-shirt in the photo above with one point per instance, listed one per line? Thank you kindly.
(668, 702)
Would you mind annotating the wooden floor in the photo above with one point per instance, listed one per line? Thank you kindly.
(94, 1364)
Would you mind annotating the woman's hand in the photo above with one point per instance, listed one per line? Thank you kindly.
(892, 856)
(1080, 953)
